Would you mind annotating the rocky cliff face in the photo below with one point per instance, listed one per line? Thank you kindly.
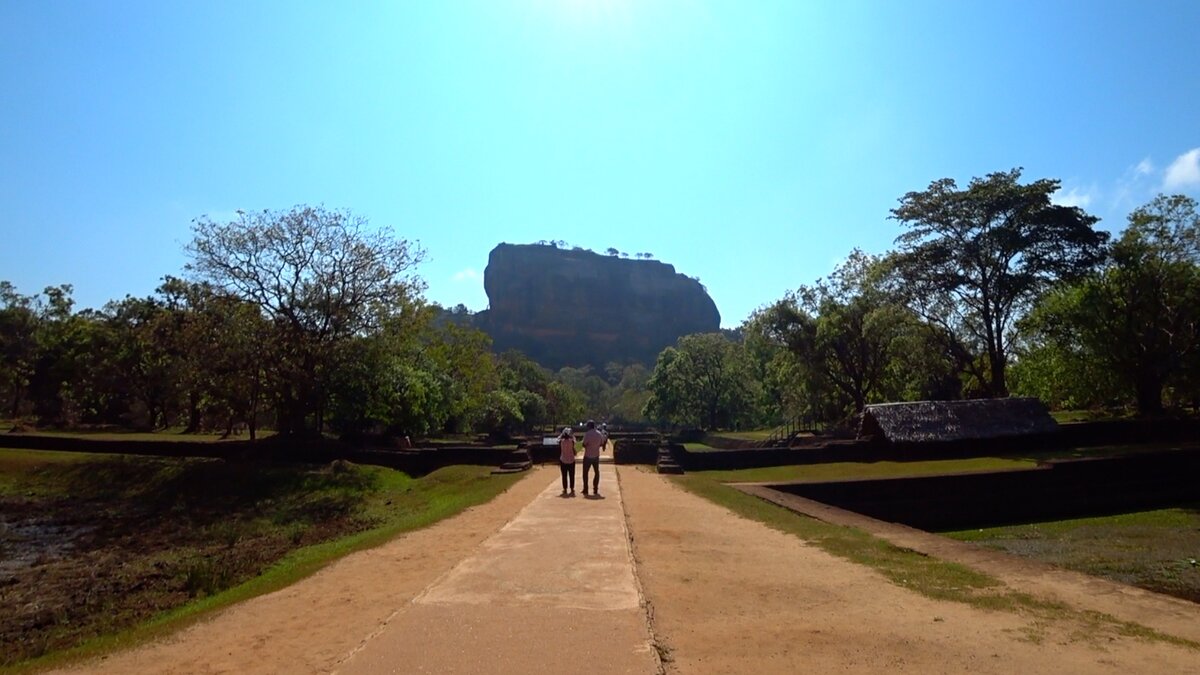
(575, 308)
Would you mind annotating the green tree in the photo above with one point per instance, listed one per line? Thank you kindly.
(592, 388)
(224, 344)
(519, 372)
(468, 371)
(844, 329)
(1140, 316)
(145, 353)
(65, 386)
(564, 405)
(18, 347)
(704, 380)
(973, 261)
(322, 276)
(501, 412)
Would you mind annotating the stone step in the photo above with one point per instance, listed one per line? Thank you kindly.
(513, 467)
(670, 467)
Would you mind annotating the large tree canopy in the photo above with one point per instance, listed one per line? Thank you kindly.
(325, 272)
(1139, 318)
(704, 380)
(323, 276)
(973, 261)
(843, 329)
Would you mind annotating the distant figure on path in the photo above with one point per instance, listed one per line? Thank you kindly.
(593, 440)
(566, 461)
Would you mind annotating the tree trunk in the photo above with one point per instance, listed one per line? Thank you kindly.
(999, 387)
(1149, 394)
(193, 425)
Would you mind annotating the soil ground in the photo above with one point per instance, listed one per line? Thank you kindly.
(498, 589)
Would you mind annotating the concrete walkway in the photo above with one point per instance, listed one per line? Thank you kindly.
(553, 591)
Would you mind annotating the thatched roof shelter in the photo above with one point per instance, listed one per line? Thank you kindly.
(951, 421)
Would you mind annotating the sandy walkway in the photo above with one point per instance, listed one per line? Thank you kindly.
(552, 592)
(534, 583)
(731, 595)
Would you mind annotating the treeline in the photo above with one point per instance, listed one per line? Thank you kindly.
(304, 321)
(308, 321)
(992, 290)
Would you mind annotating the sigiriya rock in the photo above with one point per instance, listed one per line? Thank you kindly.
(574, 307)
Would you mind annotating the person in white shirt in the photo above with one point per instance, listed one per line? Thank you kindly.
(593, 440)
(566, 461)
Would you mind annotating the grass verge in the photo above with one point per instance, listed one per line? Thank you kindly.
(754, 435)
(175, 435)
(853, 470)
(931, 577)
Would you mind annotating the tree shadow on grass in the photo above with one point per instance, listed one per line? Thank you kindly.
(206, 490)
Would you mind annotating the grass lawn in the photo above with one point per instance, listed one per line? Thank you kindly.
(168, 435)
(693, 446)
(755, 435)
(1064, 416)
(1156, 550)
(852, 470)
(99, 552)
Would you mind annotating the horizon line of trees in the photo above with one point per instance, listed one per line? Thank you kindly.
(306, 320)
(309, 321)
(992, 290)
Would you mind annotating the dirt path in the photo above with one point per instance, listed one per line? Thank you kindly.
(552, 592)
(732, 595)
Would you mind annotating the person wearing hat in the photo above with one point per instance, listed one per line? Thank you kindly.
(566, 460)
(593, 440)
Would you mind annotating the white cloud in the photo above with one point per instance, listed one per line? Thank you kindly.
(1134, 187)
(466, 275)
(1074, 197)
(1184, 172)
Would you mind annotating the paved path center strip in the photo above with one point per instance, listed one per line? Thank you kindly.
(552, 591)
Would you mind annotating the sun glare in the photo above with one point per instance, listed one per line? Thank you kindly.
(588, 11)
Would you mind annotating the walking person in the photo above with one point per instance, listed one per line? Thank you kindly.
(593, 440)
(566, 461)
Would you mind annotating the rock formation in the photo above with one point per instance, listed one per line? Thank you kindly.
(574, 307)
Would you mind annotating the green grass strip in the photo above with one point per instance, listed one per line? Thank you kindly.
(858, 470)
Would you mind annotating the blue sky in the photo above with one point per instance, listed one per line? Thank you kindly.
(751, 144)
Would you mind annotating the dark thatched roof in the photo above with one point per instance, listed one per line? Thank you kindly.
(947, 421)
